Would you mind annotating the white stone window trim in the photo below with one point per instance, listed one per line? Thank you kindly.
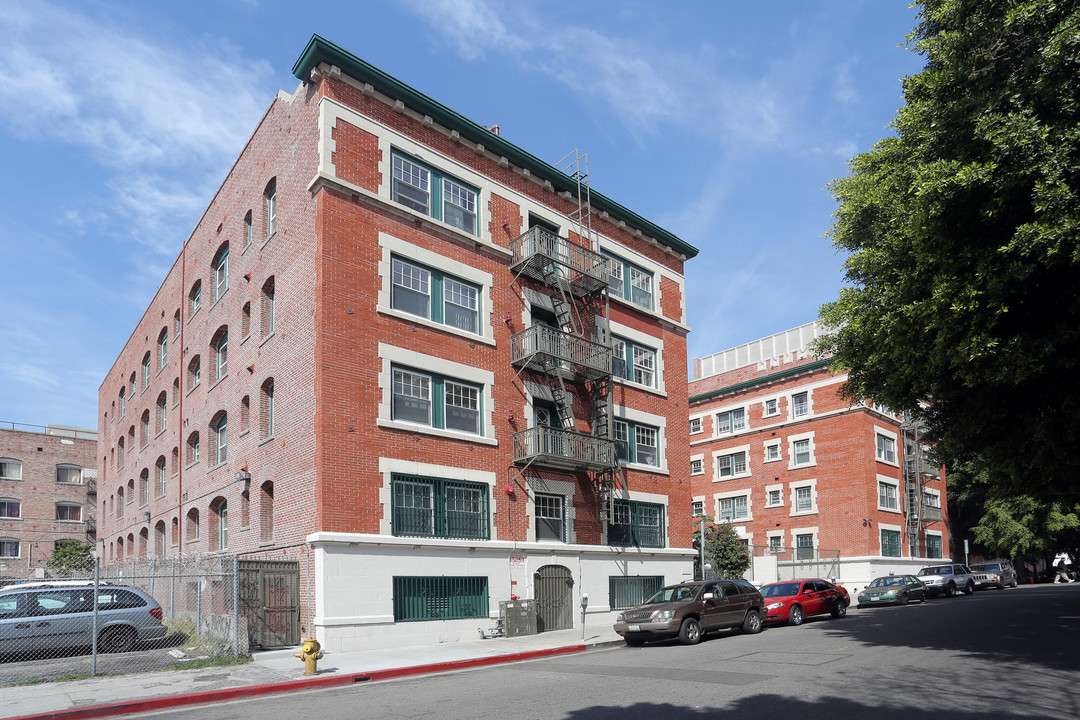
(809, 390)
(791, 440)
(717, 454)
(771, 488)
(391, 245)
(700, 458)
(394, 466)
(728, 409)
(657, 421)
(765, 406)
(792, 494)
(931, 491)
(795, 532)
(778, 444)
(894, 528)
(895, 483)
(730, 495)
(546, 486)
(769, 534)
(650, 342)
(622, 252)
(390, 356)
(886, 432)
(700, 424)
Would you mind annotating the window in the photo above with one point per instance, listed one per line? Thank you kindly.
(731, 465)
(774, 498)
(245, 414)
(887, 496)
(770, 407)
(144, 426)
(245, 320)
(804, 546)
(9, 548)
(122, 407)
(630, 592)
(69, 512)
(550, 517)
(776, 544)
(10, 509)
(416, 186)
(633, 362)
(176, 325)
(131, 384)
(146, 371)
(730, 421)
(162, 412)
(220, 518)
(435, 401)
(931, 499)
(247, 229)
(69, 474)
(800, 452)
(637, 524)
(175, 391)
(734, 508)
(220, 349)
(933, 546)
(266, 511)
(195, 296)
(886, 449)
(800, 404)
(440, 598)
(804, 499)
(772, 452)
(636, 443)
(270, 196)
(120, 452)
(193, 524)
(697, 508)
(890, 543)
(220, 435)
(435, 296)
(266, 319)
(695, 425)
(163, 348)
(10, 469)
(433, 507)
(630, 282)
(194, 372)
(193, 448)
(697, 466)
(144, 487)
(221, 271)
(159, 470)
(266, 409)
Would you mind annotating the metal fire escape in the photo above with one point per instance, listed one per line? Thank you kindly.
(917, 472)
(573, 360)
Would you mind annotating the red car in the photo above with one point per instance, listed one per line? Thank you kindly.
(795, 600)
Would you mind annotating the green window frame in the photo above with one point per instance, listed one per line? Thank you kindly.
(637, 443)
(890, 543)
(429, 293)
(730, 421)
(436, 507)
(630, 282)
(637, 524)
(431, 192)
(550, 520)
(628, 592)
(633, 362)
(439, 598)
(804, 546)
(436, 401)
(731, 465)
(933, 546)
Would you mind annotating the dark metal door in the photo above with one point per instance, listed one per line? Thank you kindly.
(270, 600)
(554, 592)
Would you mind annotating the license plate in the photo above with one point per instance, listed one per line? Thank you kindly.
(875, 599)
(634, 628)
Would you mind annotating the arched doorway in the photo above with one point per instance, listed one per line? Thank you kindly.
(553, 589)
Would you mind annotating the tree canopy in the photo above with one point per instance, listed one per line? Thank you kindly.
(728, 557)
(71, 557)
(963, 239)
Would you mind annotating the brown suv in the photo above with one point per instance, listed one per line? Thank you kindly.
(691, 609)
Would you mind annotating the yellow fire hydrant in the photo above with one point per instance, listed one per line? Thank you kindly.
(311, 654)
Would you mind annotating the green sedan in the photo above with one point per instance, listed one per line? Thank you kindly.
(893, 590)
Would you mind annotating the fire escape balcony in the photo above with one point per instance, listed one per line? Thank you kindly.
(541, 347)
(563, 450)
(924, 512)
(541, 254)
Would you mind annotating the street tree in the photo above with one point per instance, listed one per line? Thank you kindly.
(71, 557)
(728, 557)
(962, 235)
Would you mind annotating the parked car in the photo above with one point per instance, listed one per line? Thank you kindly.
(987, 579)
(690, 610)
(50, 616)
(795, 600)
(1004, 568)
(947, 580)
(893, 590)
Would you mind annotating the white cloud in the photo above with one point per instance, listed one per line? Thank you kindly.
(844, 91)
(37, 377)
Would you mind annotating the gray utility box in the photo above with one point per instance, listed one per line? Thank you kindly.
(518, 617)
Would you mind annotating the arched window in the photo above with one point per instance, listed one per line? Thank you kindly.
(266, 511)
(175, 535)
(266, 319)
(245, 507)
(162, 411)
(174, 461)
(176, 324)
(220, 266)
(245, 320)
(122, 405)
(270, 195)
(131, 490)
(219, 524)
(159, 538)
(266, 408)
(146, 370)
(144, 428)
(193, 448)
(219, 432)
(245, 414)
(144, 486)
(193, 524)
(120, 502)
(131, 392)
(195, 297)
(120, 452)
(219, 351)
(163, 347)
(144, 536)
(194, 372)
(10, 469)
(159, 469)
(120, 548)
(175, 391)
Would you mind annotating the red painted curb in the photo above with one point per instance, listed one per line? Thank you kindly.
(199, 698)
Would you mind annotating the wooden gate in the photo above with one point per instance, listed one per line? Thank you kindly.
(270, 600)
(554, 593)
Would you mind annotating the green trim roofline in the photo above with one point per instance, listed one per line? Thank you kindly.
(320, 50)
(764, 380)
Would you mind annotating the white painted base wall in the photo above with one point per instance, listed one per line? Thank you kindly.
(855, 573)
(353, 582)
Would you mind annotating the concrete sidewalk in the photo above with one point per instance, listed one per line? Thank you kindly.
(278, 671)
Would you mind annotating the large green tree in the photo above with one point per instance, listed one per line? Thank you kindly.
(728, 557)
(963, 239)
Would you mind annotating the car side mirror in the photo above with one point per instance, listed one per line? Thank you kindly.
(708, 596)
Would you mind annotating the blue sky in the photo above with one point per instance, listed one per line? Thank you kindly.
(722, 122)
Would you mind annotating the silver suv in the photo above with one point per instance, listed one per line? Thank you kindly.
(50, 616)
(947, 580)
(1002, 568)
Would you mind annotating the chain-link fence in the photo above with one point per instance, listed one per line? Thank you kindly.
(133, 616)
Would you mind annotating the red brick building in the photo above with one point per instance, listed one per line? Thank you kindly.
(47, 494)
(804, 475)
(427, 367)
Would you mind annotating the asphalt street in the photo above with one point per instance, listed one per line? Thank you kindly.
(1008, 654)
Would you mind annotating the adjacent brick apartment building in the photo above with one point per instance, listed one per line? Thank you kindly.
(47, 494)
(430, 369)
(801, 472)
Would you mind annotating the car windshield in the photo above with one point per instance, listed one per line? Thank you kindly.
(886, 582)
(987, 567)
(943, 570)
(675, 593)
(780, 589)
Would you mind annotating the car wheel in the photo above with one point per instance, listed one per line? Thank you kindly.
(969, 588)
(904, 599)
(690, 632)
(751, 624)
(840, 610)
(950, 590)
(633, 641)
(116, 640)
(795, 616)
